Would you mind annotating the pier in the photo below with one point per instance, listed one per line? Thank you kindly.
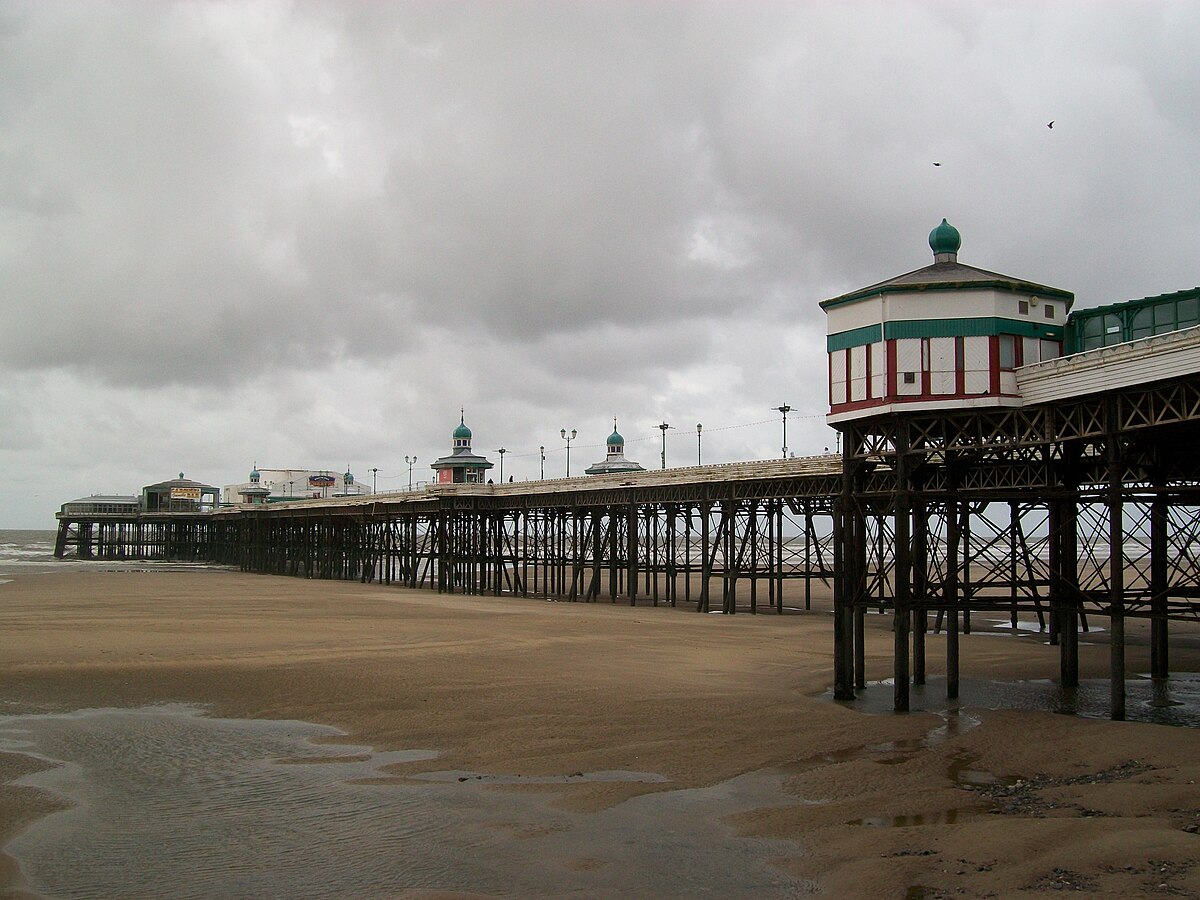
(999, 454)
(718, 537)
(1067, 513)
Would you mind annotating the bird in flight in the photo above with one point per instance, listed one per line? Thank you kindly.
(937, 164)
(1050, 124)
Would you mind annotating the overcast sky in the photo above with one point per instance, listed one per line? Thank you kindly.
(306, 234)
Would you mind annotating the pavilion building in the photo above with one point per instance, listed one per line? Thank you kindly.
(942, 337)
(461, 466)
(179, 495)
(614, 460)
(254, 491)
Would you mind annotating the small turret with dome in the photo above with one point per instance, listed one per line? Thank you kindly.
(943, 336)
(255, 491)
(347, 483)
(614, 460)
(461, 466)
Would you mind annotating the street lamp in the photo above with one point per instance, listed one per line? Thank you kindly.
(374, 475)
(785, 409)
(663, 428)
(502, 451)
(410, 461)
(563, 433)
(542, 473)
(699, 428)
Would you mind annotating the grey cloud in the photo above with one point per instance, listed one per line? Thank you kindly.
(316, 229)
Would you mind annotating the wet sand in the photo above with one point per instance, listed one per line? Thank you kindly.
(918, 805)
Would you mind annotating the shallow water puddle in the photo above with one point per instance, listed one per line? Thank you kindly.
(1162, 701)
(172, 804)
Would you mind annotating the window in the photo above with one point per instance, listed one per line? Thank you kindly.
(1023, 307)
(1008, 351)
(910, 377)
(1090, 335)
(1049, 310)
(1112, 330)
(1164, 318)
(1142, 325)
(1189, 312)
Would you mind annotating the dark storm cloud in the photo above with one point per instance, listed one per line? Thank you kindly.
(317, 229)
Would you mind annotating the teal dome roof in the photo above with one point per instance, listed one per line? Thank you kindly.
(348, 478)
(945, 238)
(615, 438)
(254, 476)
(462, 432)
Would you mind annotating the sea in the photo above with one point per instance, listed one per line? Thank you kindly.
(31, 552)
(26, 552)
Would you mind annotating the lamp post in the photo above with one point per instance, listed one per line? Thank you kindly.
(563, 433)
(542, 470)
(410, 461)
(502, 451)
(699, 428)
(374, 477)
(663, 428)
(785, 409)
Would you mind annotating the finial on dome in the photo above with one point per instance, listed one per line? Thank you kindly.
(944, 241)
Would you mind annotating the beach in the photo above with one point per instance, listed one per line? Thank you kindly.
(965, 802)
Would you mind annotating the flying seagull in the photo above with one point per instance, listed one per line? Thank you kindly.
(937, 164)
(1050, 124)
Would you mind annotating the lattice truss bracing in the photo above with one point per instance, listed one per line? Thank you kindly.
(728, 554)
(1057, 514)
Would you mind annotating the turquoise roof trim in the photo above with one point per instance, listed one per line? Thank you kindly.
(928, 328)
(856, 337)
(982, 327)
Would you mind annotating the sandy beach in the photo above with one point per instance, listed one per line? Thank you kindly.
(511, 686)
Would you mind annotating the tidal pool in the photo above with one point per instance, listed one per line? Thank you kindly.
(1161, 701)
(169, 803)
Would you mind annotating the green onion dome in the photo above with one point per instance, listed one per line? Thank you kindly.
(945, 239)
